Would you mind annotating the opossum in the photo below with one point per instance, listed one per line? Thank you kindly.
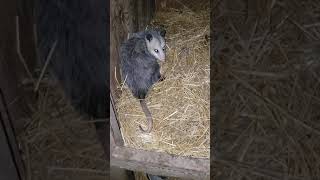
(80, 57)
(139, 66)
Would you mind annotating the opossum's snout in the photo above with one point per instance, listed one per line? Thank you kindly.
(159, 54)
(162, 58)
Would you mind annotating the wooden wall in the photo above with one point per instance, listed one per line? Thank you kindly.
(179, 4)
(163, 4)
(126, 16)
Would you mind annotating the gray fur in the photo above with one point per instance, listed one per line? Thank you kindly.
(156, 31)
(139, 68)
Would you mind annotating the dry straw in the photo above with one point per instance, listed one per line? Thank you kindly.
(57, 142)
(180, 104)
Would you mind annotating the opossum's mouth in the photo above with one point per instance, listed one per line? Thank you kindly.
(162, 60)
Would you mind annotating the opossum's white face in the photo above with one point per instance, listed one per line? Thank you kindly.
(156, 46)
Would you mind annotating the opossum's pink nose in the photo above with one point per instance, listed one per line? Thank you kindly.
(162, 59)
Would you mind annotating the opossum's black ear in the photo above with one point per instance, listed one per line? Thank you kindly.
(163, 33)
(149, 37)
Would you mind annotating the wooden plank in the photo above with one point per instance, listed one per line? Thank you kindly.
(118, 32)
(114, 126)
(158, 163)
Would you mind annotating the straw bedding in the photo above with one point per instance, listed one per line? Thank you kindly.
(57, 143)
(180, 104)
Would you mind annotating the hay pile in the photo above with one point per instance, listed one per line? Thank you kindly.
(180, 104)
(57, 144)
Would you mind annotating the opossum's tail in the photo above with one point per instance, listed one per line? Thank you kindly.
(148, 115)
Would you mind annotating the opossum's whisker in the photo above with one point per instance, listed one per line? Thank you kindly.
(52, 169)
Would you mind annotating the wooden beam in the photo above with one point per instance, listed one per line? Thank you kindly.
(114, 126)
(158, 163)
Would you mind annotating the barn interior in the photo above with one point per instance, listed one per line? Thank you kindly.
(180, 104)
(266, 94)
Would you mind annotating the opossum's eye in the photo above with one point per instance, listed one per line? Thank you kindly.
(156, 50)
(163, 49)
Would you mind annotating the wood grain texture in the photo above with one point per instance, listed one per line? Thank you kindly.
(158, 163)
